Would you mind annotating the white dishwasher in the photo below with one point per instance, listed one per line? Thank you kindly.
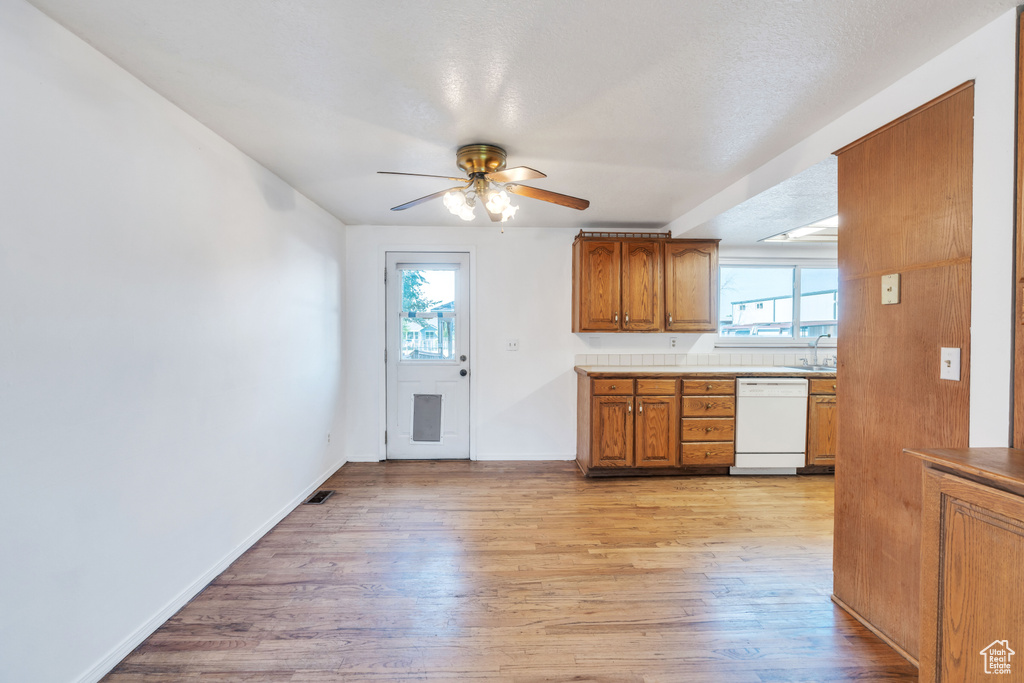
(771, 425)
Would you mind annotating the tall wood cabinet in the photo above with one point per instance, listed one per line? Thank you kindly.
(624, 282)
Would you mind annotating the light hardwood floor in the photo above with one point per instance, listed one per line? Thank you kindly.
(527, 572)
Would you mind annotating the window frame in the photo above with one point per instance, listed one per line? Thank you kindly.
(797, 264)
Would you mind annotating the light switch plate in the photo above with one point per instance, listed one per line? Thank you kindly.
(891, 289)
(949, 364)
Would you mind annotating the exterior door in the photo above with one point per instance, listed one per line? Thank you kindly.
(427, 355)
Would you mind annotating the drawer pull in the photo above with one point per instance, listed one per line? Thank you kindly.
(641, 406)
(670, 320)
(627, 318)
(616, 317)
(630, 406)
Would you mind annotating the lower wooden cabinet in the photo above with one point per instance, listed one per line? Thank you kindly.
(635, 423)
(822, 431)
(972, 565)
(657, 431)
(613, 431)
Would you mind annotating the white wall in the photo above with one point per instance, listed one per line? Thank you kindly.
(169, 353)
(989, 58)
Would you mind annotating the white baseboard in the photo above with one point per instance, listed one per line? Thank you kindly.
(531, 457)
(103, 667)
(365, 457)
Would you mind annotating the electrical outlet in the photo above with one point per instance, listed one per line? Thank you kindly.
(949, 364)
(328, 437)
(672, 342)
(512, 345)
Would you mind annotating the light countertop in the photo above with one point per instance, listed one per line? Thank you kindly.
(732, 370)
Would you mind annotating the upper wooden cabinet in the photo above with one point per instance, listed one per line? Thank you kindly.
(644, 283)
(691, 286)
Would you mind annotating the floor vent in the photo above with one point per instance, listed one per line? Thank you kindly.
(319, 497)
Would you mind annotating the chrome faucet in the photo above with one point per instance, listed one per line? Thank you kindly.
(816, 346)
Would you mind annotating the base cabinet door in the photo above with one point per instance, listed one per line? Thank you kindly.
(972, 612)
(821, 430)
(612, 438)
(656, 431)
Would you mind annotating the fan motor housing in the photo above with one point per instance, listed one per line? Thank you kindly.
(478, 158)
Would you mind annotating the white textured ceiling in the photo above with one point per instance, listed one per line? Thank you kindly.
(646, 108)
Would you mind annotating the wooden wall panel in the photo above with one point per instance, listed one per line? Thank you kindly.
(905, 204)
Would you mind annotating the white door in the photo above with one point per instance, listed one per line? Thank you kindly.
(427, 355)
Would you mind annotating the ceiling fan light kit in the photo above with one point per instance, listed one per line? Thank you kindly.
(490, 182)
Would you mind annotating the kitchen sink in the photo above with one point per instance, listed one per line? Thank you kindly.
(810, 368)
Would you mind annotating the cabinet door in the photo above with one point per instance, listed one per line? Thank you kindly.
(599, 274)
(657, 438)
(821, 430)
(691, 286)
(612, 440)
(642, 305)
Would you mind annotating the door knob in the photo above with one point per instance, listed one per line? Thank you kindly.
(463, 358)
(463, 372)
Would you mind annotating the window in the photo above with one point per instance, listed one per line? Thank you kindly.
(790, 302)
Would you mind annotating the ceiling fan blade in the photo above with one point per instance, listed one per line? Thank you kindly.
(514, 175)
(424, 175)
(407, 205)
(547, 196)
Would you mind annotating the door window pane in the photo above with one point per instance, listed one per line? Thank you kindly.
(428, 313)
(756, 301)
(819, 301)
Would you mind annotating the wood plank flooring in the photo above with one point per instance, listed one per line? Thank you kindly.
(529, 573)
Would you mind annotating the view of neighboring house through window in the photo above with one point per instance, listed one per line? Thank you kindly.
(428, 315)
(772, 301)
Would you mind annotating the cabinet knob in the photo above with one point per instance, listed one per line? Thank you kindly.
(708, 429)
(833, 387)
(613, 386)
(708, 406)
(708, 388)
(707, 454)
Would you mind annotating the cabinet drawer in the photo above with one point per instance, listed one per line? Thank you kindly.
(709, 406)
(655, 387)
(699, 387)
(707, 453)
(823, 386)
(613, 387)
(708, 429)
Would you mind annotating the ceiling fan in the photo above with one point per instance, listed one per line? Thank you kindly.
(490, 183)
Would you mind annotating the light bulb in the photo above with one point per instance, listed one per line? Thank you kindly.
(466, 213)
(497, 200)
(509, 212)
(455, 201)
